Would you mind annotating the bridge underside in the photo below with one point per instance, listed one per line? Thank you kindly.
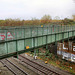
(32, 38)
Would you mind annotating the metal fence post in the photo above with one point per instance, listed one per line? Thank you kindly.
(37, 35)
(72, 33)
(47, 39)
(6, 40)
(58, 32)
(42, 35)
(51, 33)
(24, 38)
(68, 36)
(46, 43)
(55, 40)
(35, 57)
(34, 49)
(16, 43)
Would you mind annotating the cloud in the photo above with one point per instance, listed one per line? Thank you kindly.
(26, 9)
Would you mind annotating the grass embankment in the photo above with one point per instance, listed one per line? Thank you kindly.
(55, 61)
(64, 65)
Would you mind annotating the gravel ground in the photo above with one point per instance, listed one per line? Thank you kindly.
(56, 69)
(4, 70)
(28, 69)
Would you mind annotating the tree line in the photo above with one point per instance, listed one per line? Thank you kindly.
(46, 19)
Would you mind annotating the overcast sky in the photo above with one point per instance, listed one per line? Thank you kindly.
(28, 9)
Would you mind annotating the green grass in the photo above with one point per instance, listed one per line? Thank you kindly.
(53, 63)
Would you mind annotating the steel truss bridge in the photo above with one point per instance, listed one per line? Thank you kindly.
(17, 40)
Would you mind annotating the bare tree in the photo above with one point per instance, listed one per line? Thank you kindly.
(46, 19)
(73, 16)
(56, 18)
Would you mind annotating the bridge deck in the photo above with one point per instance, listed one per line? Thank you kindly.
(14, 40)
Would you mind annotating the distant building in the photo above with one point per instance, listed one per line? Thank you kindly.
(67, 50)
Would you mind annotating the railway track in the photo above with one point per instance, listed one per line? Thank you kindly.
(40, 68)
(13, 67)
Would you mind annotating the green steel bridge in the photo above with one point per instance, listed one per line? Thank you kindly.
(17, 40)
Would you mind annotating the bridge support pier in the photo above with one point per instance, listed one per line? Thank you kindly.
(72, 35)
(38, 52)
(46, 47)
(35, 57)
(16, 56)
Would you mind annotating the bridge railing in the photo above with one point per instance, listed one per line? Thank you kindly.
(18, 33)
(16, 39)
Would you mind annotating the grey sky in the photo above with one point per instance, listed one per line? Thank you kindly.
(28, 9)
